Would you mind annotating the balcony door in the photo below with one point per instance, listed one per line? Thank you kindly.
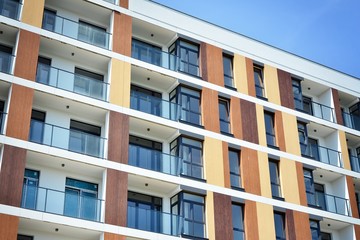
(49, 20)
(92, 34)
(30, 189)
(85, 138)
(145, 153)
(5, 58)
(37, 126)
(145, 100)
(320, 196)
(355, 115)
(43, 70)
(9, 8)
(146, 52)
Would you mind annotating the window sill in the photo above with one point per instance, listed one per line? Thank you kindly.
(238, 188)
(192, 124)
(193, 237)
(273, 147)
(192, 178)
(279, 198)
(227, 134)
(262, 98)
(231, 88)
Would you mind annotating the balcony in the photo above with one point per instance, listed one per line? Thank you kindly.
(72, 82)
(2, 122)
(328, 203)
(68, 139)
(6, 62)
(62, 203)
(355, 163)
(322, 154)
(315, 109)
(351, 120)
(77, 30)
(10, 9)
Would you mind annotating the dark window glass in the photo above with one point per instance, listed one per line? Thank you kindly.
(144, 212)
(92, 34)
(24, 237)
(30, 189)
(84, 138)
(309, 187)
(81, 199)
(259, 81)
(10, 8)
(228, 70)
(145, 100)
(279, 219)
(320, 196)
(355, 115)
(187, 57)
(325, 236)
(37, 126)
(269, 127)
(235, 173)
(5, 58)
(274, 179)
(84, 127)
(49, 20)
(146, 52)
(298, 98)
(307, 105)
(224, 114)
(238, 221)
(145, 153)
(43, 70)
(315, 230)
(190, 152)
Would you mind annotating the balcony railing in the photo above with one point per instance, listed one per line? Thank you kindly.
(329, 203)
(316, 109)
(61, 203)
(71, 82)
(322, 154)
(238, 234)
(154, 221)
(69, 139)
(6, 62)
(351, 121)
(355, 163)
(2, 122)
(10, 9)
(76, 30)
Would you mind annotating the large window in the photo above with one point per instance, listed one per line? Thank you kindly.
(186, 105)
(224, 115)
(43, 70)
(279, 219)
(186, 57)
(275, 179)
(49, 20)
(228, 71)
(298, 98)
(145, 100)
(355, 115)
(238, 221)
(84, 138)
(30, 189)
(235, 172)
(315, 229)
(315, 192)
(270, 130)
(37, 126)
(309, 146)
(191, 208)
(190, 152)
(259, 81)
(10, 8)
(5, 58)
(88, 83)
(145, 153)
(92, 34)
(146, 52)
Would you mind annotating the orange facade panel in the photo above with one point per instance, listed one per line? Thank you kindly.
(122, 34)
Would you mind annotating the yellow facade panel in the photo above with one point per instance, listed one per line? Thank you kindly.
(264, 174)
(289, 181)
(291, 134)
(344, 150)
(120, 83)
(261, 125)
(214, 166)
(272, 84)
(210, 217)
(32, 12)
(265, 221)
(240, 76)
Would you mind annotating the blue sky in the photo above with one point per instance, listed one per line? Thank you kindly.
(324, 31)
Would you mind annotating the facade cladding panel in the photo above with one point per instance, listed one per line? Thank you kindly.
(116, 124)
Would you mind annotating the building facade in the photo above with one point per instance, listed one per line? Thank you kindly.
(129, 120)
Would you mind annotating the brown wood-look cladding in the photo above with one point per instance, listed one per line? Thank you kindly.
(235, 117)
(250, 220)
(12, 175)
(212, 64)
(116, 197)
(226, 163)
(352, 197)
(250, 77)
(27, 55)
(285, 88)
(118, 142)
(249, 121)
(297, 225)
(279, 131)
(19, 116)
(8, 227)
(337, 108)
(301, 183)
(250, 171)
(122, 34)
(223, 217)
(111, 236)
(357, 231)
(210, 110)
(124, 3)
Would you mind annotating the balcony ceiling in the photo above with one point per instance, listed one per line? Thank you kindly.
(154, 187)
(318, 130)
(346, 100)
(156, 131)
(315, 88)
(325, 175)
(8, 35)
(334, 225)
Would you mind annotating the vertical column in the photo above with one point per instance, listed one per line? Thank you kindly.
(297, 225)
(214, 167)
(337, 108)
(32, 12)
(225, 151)
(235, 117)
(122, 33)
(272, 84)
(240, 74)
(212, 64)
(249, 121)
(120, 83)
(266, 224)
(8, 226)
(223, 217)
(285, 89)
(251, 218)
(124, 3)
(250, 77)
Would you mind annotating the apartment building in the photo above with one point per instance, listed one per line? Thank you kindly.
(125, 119)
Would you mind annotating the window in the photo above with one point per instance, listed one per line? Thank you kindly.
(259, 81)
(315, 229)
(185, 105)
(10, 8)
(235, 172)
(144, 212)
(30, 189)
(269, 127)
(309, 187)
(92, 34)
(49, 20)
(355, 115)
(190, 153)
(279, 219)
(81, 200)
(307, 105)
(298, 98)
(228, 71)
(308, 146)
(191, 208)
(186, 57)
(145, 153)
(5, 58)
(238, 221)
(84, 138)
(145, 100)
(37, 126)
(274, 179)
(88, 83)
(2, 116)
(146, 52)
(43, 70)
(320, 196)
(24, 237)
(325, 236)
(224, 115)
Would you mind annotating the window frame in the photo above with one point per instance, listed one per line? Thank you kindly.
(239, 212)
(177, 48)
(270, 129)
(228, 74)
(258, 72)
(224, 119)
(275, 182)
(282, 227)
(234, 174)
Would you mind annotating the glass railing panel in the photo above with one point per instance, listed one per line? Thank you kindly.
(10, 9)
(322, 154)
(6, 62)
(71, 82)
(153, 221)
(76, 30)
(61, 203)
(68, 139)
(2, 122)
(154, 160)
(355, 163)
(322, 111)
(351, 121)
(328, 203)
